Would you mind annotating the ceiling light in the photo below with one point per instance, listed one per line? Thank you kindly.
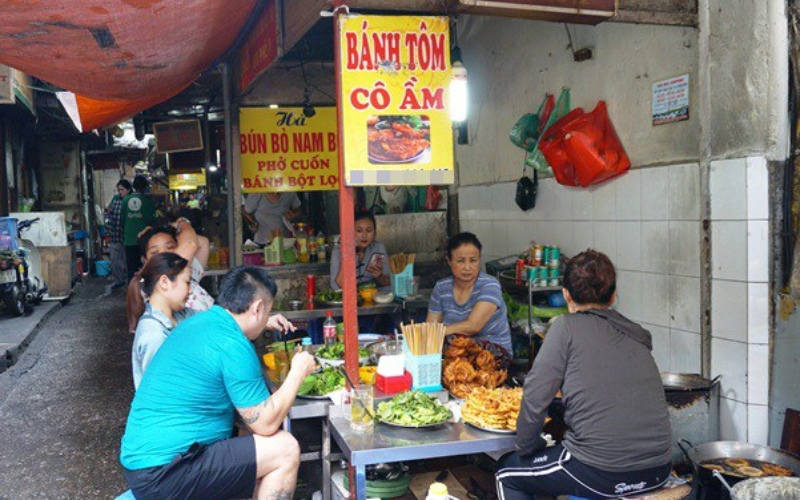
(459, 92)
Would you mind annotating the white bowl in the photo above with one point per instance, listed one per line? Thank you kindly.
(383, 298)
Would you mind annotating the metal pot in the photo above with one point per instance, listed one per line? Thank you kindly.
(709, 487)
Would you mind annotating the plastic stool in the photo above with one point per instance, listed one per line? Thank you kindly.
(128, 495)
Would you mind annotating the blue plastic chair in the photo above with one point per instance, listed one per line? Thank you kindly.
(128, 495)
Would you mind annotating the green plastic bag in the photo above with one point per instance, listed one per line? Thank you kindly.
(535, 158)
(525, 133)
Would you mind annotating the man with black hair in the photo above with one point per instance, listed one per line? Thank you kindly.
(138, 212)
(177, 442)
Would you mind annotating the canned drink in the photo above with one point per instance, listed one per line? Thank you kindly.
(555, 257)
(554, 277)
(537, 255)
(520, 269)
(546, 255)
(529, 273)
(311, 287)
(540, 276)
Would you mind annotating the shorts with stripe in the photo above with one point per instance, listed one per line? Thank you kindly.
(554, 471)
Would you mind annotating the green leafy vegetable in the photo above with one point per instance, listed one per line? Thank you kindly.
(413, 409)
(330, 296)
(319, 384)
(336, 351)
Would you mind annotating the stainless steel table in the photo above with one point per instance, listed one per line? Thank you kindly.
(315, 311)
(393, 444)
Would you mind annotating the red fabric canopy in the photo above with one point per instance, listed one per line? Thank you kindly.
(143, 51)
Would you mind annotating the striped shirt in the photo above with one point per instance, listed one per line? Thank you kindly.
(486, 289)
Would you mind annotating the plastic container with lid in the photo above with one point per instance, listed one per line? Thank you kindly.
(438, 491)
(305, 344)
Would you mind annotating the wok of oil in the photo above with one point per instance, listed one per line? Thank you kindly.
(758, 464)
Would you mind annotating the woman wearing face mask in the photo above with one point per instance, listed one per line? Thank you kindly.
(470, 301)
(372, 261)
(156, 301)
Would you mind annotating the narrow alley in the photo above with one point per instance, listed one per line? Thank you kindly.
(63, 405)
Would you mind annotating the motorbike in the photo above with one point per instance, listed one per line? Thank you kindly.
(20, 279)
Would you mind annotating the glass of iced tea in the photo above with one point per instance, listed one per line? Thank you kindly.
(359, 410)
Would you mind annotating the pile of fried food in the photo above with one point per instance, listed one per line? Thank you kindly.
(468, 365)
(493, 408)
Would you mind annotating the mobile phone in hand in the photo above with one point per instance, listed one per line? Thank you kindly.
(377, 259)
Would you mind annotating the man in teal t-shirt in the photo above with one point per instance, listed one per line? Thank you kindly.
(138, 212)
(177, 440)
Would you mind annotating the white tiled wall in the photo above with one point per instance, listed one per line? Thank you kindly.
(647, 222)
(740, 302)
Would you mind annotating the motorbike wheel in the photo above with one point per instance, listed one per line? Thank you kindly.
(15, 301)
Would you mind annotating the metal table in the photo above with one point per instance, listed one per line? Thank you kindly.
(315, 312)
(393, 444)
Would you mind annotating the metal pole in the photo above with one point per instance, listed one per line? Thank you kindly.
(346, 224)
(234, 181)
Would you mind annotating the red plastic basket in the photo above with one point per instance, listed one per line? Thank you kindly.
(393, 385)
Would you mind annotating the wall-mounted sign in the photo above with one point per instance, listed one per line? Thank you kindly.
(671, 100)
(283, 150)
(260, 47)
(16, 86)
(186, 182)
(178, 135)
(395, 73)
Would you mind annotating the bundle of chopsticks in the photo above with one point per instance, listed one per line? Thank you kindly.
(399, 261)
(424, 338)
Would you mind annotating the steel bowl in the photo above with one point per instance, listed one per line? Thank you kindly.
(295, 305)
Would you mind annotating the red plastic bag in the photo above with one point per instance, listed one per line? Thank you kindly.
(553, 147)
(584, 149)
(432, 198)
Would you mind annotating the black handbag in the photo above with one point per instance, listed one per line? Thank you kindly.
(526, 191)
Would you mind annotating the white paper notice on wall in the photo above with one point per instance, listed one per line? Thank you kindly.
(671, 100)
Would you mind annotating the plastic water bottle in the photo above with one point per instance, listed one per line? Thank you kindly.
(305, 344)
(329, 329)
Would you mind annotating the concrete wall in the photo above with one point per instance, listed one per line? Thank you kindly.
(747, 67)
(513, 63)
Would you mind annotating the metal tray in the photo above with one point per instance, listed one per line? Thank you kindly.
(490, 429)
(308, 396)
(325, 303)
(423, 426)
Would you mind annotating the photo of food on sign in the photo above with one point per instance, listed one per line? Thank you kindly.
(399, 139)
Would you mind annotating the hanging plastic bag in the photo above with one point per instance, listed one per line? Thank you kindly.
(432, 198)
(527, 130)
(526, 191)
(535, 158)
(584, 149)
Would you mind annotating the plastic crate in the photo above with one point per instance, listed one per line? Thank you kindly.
(8, 233)
(403, 283)
(426, 371)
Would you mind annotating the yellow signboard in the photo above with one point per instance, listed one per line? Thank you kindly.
(283, 150)
(395, 73)
(186, 182)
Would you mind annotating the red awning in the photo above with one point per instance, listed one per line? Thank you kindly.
(144, 51)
